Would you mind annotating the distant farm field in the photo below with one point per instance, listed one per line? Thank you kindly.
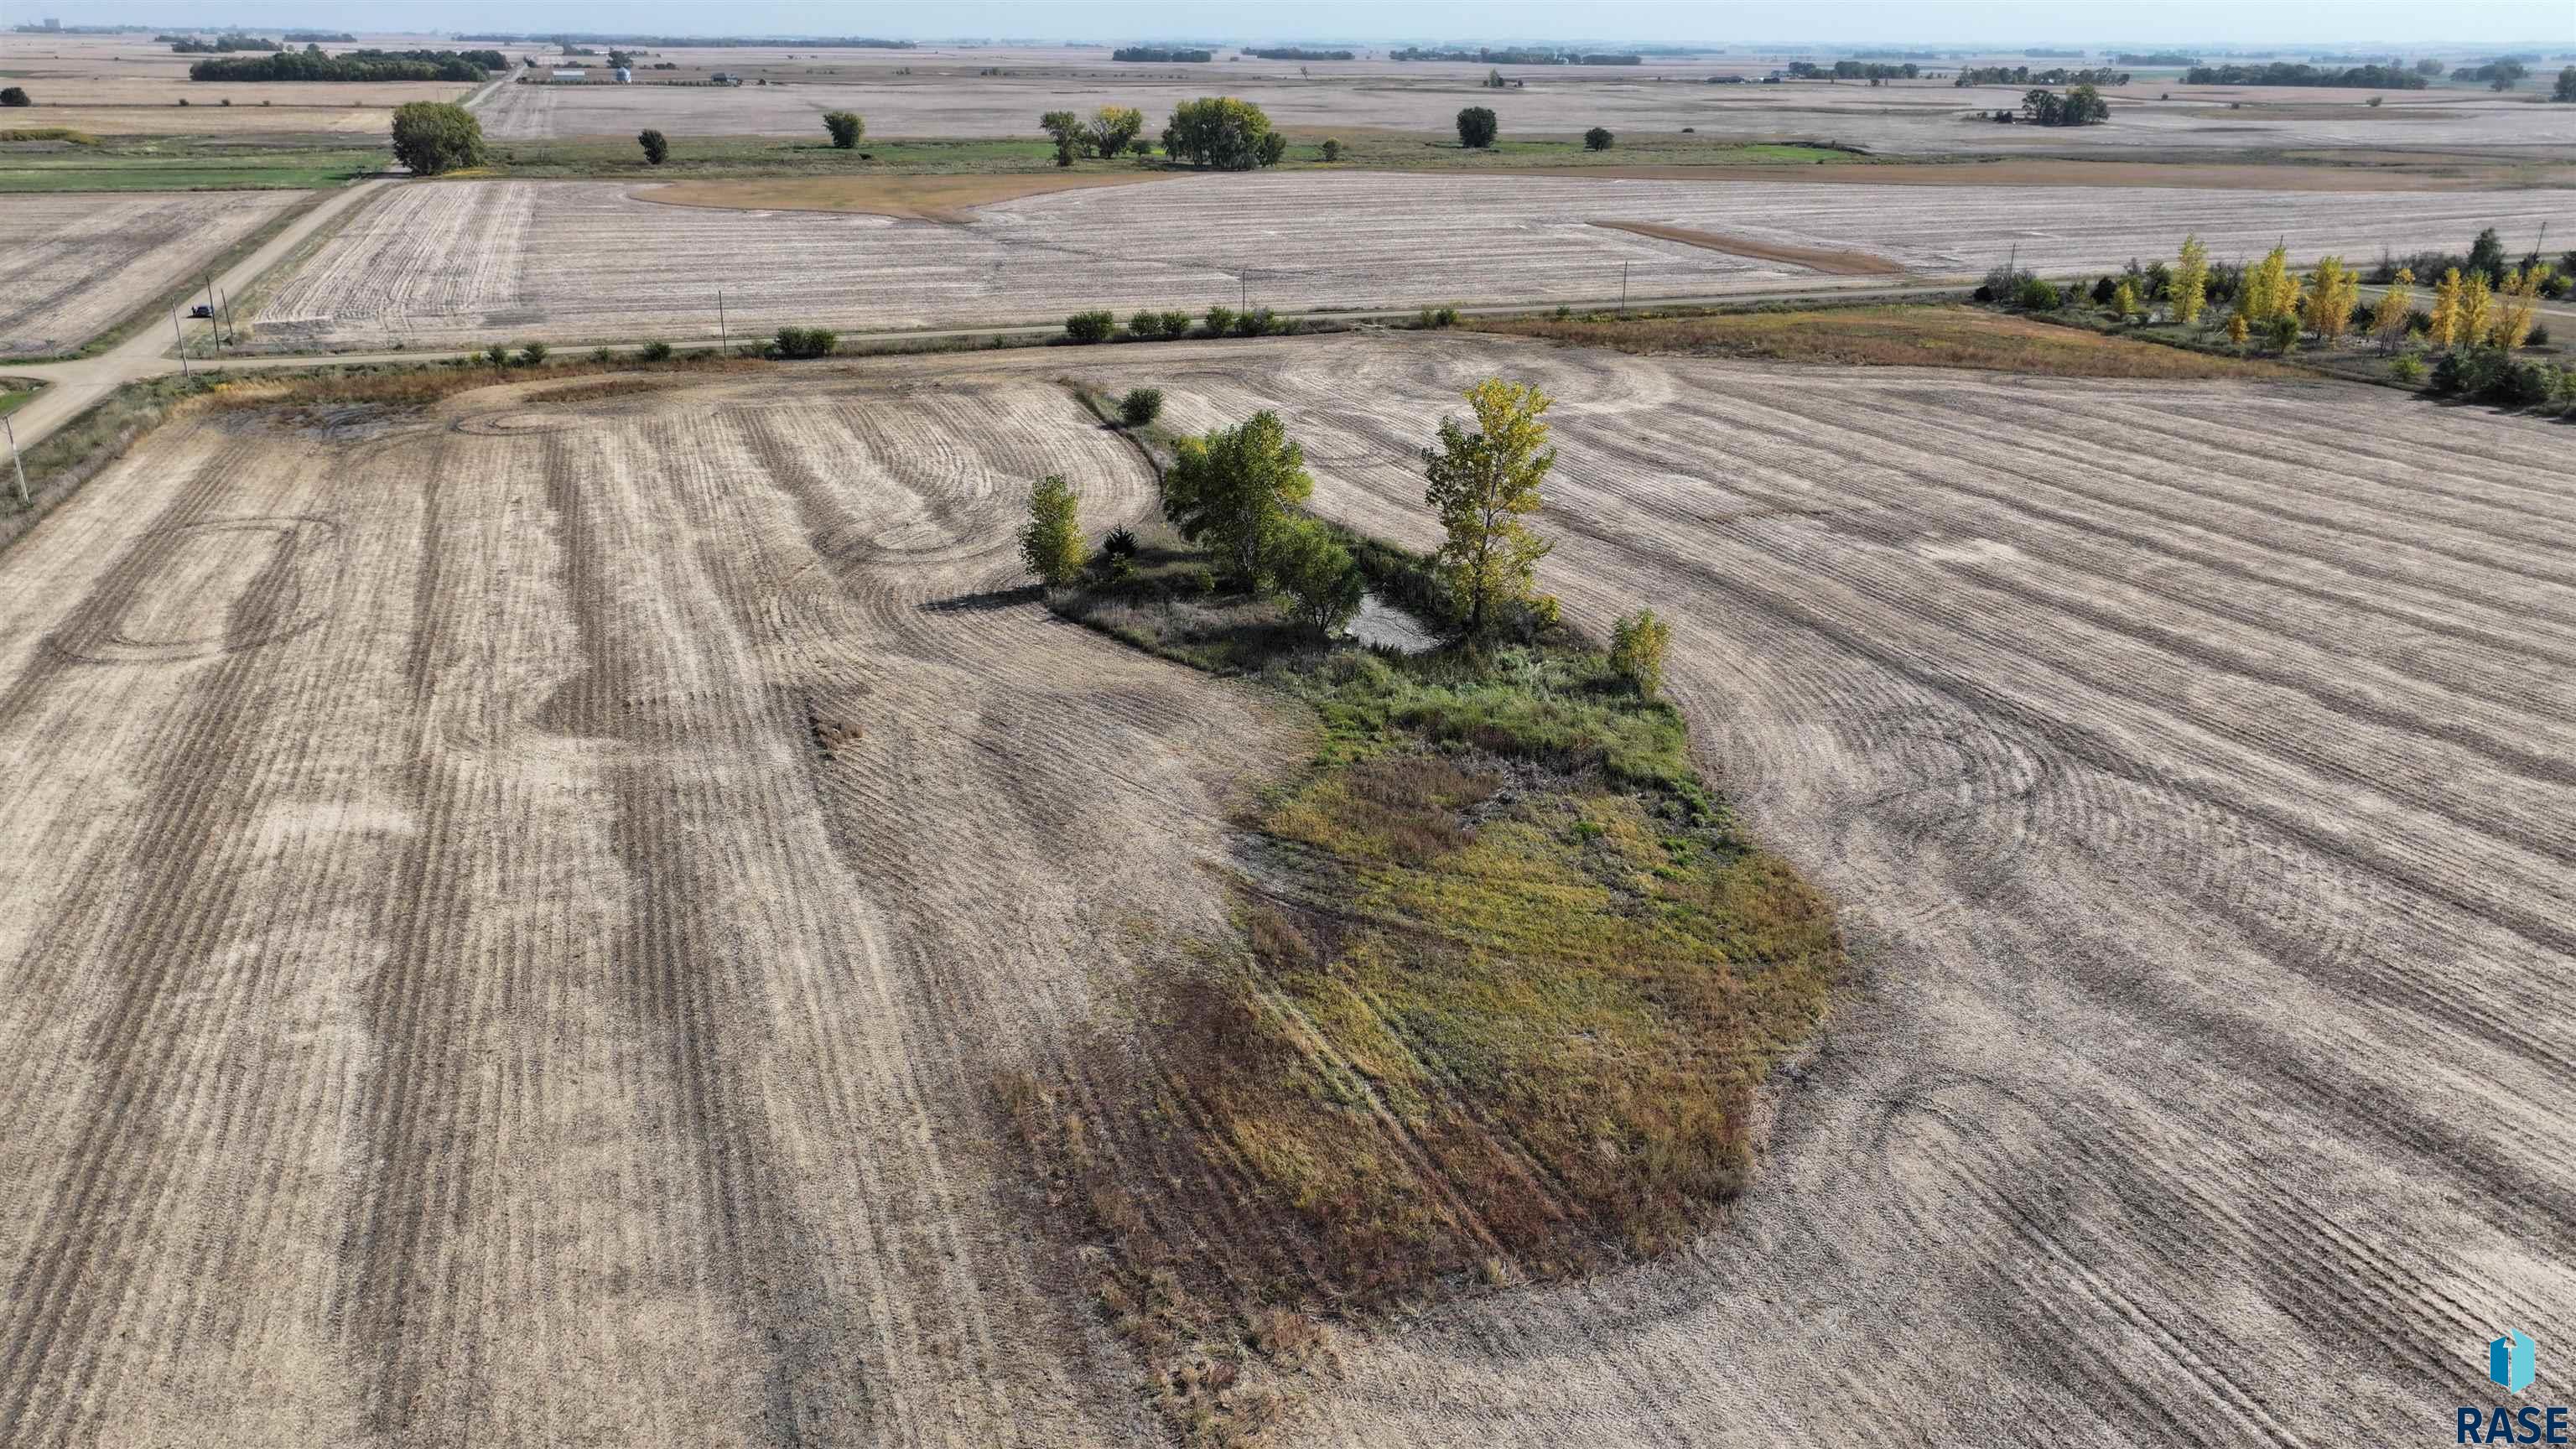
(460, 262)
(72, 264)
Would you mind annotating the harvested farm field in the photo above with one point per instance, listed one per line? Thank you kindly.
(1902, 118)
(72, 264)
(518, 906)
(515, 908)
(2188, 759)
(463, 262)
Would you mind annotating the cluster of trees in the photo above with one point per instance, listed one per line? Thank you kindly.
(666, 42)
(1516, 56)
(2486, 258)
(2156, 57)
(310, 64)
(1161, 55)
(2022, 75)
(1294, 52)
(2082, 106)
(1109, 132)
(1223, 132)
(2500, 75)
(2296, 73)
(1237, 492)
(435, 136)
(220, 45)
(1150, 326)
(1852, 70)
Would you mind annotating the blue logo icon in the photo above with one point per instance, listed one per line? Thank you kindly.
(2509, 1361)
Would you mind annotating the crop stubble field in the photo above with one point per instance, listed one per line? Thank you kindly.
(462, 262)
(71, 264)
(2190, 761)
(510, 914)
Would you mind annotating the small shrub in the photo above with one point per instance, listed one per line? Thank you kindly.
(1176, 324)
(806, 342)
(603, 355)
(1255, 323)
(657, 147)
(657, 351)
(498, 354)
(1637, 645)
(845, 127)
(1095, 326)
(1140, 406)
(1220, 321)
(15, 96)
(2281, 334)
(1332, 149)
(1120, 543)
(1430, 317)
(1598, 139)
(1145, 325)
(2408, 370)
(2037, 295)
(533, 355)
(2539, 336)
(2523, 384)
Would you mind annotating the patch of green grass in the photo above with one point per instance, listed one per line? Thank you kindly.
(185, 163)
(14, 398)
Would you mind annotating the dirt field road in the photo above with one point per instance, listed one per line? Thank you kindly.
(509, 919)
(2192, 761)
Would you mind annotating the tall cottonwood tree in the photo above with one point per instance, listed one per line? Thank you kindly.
(1483, 483)
(1051, 543)
(2191, 281)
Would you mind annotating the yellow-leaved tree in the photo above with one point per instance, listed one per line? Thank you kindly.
(2190, 286)
(2269, 289)
(2477, 310)
(2333, 289)
(2388, 319)
(2124, 300)
(1483, 483)
(2445, 328)
(2516, 306)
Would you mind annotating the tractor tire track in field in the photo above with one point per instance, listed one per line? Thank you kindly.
(2191, 761)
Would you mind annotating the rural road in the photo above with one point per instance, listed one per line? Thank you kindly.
(71, 387)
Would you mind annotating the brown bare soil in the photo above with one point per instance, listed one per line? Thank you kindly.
(1828, 260)
(912, 198)
(1886, 337)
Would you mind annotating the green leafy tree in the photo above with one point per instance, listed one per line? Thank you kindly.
(1141, 405)
(1598, 139)
(1068, 133)
(1271, 149)
(1637, 644)
(1112, 127)
(1051, 543)
(1477, 127)
(2564, 91)
(1314, 576)
(657, 147)
(14, 96)
(1483, 483)
(431, 137)
(1332, 149)
(846, 129)
(1220, 132)
(1232, 488)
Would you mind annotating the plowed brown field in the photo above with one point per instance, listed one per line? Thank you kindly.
(510, 913)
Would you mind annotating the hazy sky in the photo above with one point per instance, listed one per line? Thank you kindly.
(1848, 22)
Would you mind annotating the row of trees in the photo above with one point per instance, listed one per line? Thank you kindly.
(2298, 73)
(1110, 131)
(2022, 75)
(221, 44)
(310, 64)
(2082, 106)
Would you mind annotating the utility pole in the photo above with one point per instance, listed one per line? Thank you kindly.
(183, 341)
(14, 465)
(214, 319)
